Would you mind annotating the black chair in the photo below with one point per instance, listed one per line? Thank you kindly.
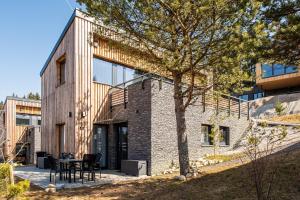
(54, 168)
(97, 165)
(87, 165)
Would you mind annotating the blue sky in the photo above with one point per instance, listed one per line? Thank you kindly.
(29, 31)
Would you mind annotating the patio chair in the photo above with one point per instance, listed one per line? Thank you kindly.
(97, 165)
(87, 165)
(54, 168)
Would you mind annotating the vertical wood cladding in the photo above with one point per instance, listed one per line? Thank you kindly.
(13, 107)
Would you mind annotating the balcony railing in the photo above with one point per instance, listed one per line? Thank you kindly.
(206, 99)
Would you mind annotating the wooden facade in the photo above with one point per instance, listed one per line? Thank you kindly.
(79, 103)
(14, 132)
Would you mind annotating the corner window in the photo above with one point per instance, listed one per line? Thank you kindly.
(206, 131)
(111, 73)
(224, 136)
(61, 71)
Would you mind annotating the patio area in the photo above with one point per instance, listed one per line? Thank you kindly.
(40, 178)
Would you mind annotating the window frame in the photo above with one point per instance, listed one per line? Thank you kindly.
(115, 68)
(210, 140)
(61, 71)
(273, 67)
(227, 139)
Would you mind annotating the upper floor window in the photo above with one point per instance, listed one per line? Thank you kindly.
(206, 134)
(277, 70)
(111, 73)
(61, 71)
(27, 120)
(23, 120)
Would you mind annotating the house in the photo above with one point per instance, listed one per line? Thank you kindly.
(21, 119)
(100, 98)
(273, 79)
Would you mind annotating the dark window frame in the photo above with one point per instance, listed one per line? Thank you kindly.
(226, 138)
(210, 140)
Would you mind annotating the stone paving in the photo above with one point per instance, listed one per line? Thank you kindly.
(40, 177)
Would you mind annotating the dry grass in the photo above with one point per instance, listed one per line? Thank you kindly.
(293, 118)
(225, 158)
(225, 181)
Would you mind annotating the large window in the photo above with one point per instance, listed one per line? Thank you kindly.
(111, 73)
(277, 70)
(206, 138)
(224, 136)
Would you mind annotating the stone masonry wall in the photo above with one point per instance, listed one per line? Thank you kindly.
(139, 123)
(163, 128)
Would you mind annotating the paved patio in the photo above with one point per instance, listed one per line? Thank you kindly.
(40, 177)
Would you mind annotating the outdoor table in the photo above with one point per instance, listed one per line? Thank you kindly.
(68, 162)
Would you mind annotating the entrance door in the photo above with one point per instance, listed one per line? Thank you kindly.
(122, 143)
(100, 143)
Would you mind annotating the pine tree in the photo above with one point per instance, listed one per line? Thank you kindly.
(189, 41)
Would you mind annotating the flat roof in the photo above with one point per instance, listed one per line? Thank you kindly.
(22, 99)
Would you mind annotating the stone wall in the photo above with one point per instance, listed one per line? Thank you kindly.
(163, 128)
(152, 126)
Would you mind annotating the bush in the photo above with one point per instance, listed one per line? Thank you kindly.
(279, 108)
(4, 171)
(18, 189)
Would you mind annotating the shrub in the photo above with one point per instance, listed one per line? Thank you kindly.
(4, 171)
(18, 189)
(279, 108)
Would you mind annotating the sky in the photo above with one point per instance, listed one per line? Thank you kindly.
(29, 30)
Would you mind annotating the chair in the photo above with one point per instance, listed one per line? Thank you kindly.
(87, 165)
(54, 167)
(97, 165)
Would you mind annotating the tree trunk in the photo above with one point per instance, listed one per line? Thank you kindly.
(183, 151)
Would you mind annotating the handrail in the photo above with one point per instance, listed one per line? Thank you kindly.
(215, 99)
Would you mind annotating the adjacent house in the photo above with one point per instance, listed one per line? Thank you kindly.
(273, 79)
(100, 98)
(21, 120)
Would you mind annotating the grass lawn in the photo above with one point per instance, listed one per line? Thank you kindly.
(225, 181)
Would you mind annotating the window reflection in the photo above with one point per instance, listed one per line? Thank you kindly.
(111, 73)
(277, 70)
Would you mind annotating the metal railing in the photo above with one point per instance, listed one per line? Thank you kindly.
(207, 99)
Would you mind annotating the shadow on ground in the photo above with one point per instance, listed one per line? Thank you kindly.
(218, 183)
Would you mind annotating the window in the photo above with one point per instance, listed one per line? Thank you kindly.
(258, 95)
(111, 73)
(244, 97)
(277, 70)
(39, 122)
(22, 120)
(61, 71)
(206, 131)
(224, 136)
(267, 70)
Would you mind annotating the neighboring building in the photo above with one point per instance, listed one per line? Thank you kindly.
(272, 80)
(19, 117)
(95, 98)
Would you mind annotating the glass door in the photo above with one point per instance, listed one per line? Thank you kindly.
(100, 143)
(122, 143)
